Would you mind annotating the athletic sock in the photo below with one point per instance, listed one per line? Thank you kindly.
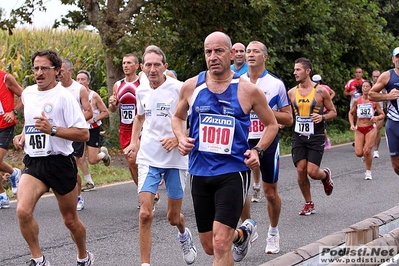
(183, 237)
(39, 260)
(88, 179)
(83, 260)
(14, 172)
(273, 230)
(242, 235)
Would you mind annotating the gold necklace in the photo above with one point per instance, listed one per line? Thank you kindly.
(220, 81)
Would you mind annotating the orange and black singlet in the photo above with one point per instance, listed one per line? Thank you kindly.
(304, 107)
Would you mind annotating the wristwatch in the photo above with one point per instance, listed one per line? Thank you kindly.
(95, 120)
(54, 130)
(259, 150)
(15, 111)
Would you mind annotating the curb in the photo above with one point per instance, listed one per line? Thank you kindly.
(387, 223)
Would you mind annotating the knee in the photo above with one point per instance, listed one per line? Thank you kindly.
(173, 219)
(272, 195)
(312, 173)
(24, 214)
(146, 216)
(302, 172)
(359, 152)
(367, 151)
(208, 248)
(92, 161)
(71, 221)
(220, 245)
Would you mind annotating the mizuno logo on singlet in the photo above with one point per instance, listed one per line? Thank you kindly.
(31, 130)
(219, 121)
(303, 101)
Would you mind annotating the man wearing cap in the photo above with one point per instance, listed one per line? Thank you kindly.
(390, 81)
(317, 78)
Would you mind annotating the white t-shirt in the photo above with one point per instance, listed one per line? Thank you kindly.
(74, 88)
(60, 108)
(158, 106)
(277, 98)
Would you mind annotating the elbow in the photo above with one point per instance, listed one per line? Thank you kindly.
(289, 122)
(85, 135)
(371, 96)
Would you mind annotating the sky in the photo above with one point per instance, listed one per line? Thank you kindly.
(40, 19)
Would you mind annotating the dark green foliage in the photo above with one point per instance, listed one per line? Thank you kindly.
(336, 36)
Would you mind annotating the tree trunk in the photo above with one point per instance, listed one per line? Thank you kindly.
(113, 75)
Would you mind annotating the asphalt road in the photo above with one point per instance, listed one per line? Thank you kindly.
(111, 217)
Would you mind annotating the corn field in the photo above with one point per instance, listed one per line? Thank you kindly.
(82, 47)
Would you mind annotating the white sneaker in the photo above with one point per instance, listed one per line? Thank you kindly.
(257, 196)
(362, 159)
(89, 262)
(44, 263)
(368, 175)
(81, 203)
(188, 248)
(4, 202)
(376, 154)
(240, 251)
(272, 244)
(15, 180)
(107, 157)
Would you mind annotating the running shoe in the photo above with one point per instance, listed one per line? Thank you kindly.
(308, 209)
(376, 154)
(4, 202)
(368, 175)
(33, 263)
(328, 183)
(81, 203)
(156, 201)
(272, 244)
(107, 157)
(240, 250)
(88, 187)
(256, 197)
(328, 144)
(15, 180)
(362, 159)
(88, 262)
(188, 248)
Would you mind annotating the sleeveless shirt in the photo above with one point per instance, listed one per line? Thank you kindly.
(126, 96)
(304, 106)
(220, 129)
(6, 101)
(392, 108)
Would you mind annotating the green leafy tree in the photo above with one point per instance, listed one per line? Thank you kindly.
(336, 36)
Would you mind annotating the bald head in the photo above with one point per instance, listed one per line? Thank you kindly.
(218, 53)
(239, 46)
(220, 38)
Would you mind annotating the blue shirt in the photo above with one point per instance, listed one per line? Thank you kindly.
(220, 129)
(240, 71)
